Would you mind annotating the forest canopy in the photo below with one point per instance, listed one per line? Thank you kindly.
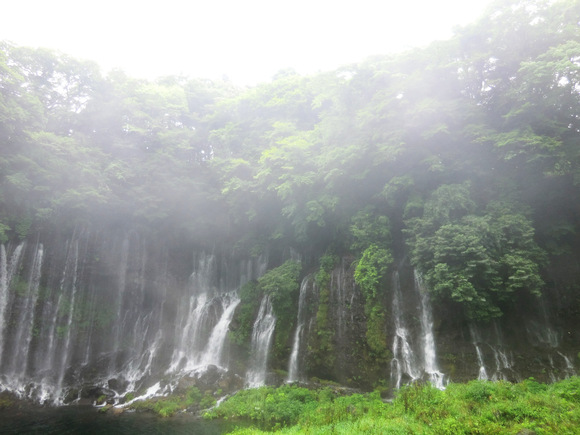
(464, 155)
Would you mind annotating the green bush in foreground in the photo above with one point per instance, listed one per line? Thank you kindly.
(168, 406)
(478, 407)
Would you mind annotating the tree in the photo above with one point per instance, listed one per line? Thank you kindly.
(478, 261)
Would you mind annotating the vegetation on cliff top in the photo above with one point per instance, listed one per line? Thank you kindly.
(467, 150)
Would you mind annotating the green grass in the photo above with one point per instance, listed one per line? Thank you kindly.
(168, 406)
(478, 407)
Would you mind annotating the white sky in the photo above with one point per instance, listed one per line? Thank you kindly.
(246, 40)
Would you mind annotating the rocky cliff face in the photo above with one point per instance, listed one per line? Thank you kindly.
(104, 312)
(432, 341)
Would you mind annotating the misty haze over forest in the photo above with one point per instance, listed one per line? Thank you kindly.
(410, 218)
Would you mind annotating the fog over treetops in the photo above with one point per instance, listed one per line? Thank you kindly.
(463, 156)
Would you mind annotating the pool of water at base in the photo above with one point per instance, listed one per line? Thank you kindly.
(87, 420)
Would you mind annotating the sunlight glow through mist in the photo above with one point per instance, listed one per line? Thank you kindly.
(247, 41)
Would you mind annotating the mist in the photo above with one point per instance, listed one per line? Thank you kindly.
(401, 218)
(246, 43)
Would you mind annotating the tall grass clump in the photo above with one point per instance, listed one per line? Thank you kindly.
(168, 406)
(477, 407)
(267, 407)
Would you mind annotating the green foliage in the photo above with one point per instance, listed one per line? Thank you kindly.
(168, 406)
(321, 346)
(423, 141)
(371, 269)
(367, 229)
(568, 389)
(282, 284)
(477, 261)
(4, 229)
(267, 407)
(369, 275)
(23, 227)
(243, 321)
(479, 407)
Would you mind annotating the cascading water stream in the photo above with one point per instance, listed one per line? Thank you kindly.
(196, 314)
(8, 266)
(196, 317)
(339, 295)
(115, 313)
(294, 364)
(430, 356)
(404, 361)
(569, 370)
(261, 343)
(203, 322)
(69, 311)
(23, 335)
(89, 311)
(482, 376)
(503, 363)
(213, 352)
(119, 303)
(503, 358)
(205, 332)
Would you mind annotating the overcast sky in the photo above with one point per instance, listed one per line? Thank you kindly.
(246, 40)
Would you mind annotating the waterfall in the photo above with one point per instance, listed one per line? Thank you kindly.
(503, 362)
(294, 364)
(118, 312)
(503, 358)
(430, 357)
(404, 361)
(482, 376)
(121, 271)
(261, 342)
(203, 321)
(339, 297)
(213, 352)
(196, 317)
(196, 313)
(203, 337)
(70, 289)
(569, 370)
(539, 330)
(17, 366)
(8, 267)
(109, 312)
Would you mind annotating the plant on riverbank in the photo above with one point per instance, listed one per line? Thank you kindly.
(478, 407)
(267, 407)
(168, 406)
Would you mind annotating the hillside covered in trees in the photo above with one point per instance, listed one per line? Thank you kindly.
(460, 161)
